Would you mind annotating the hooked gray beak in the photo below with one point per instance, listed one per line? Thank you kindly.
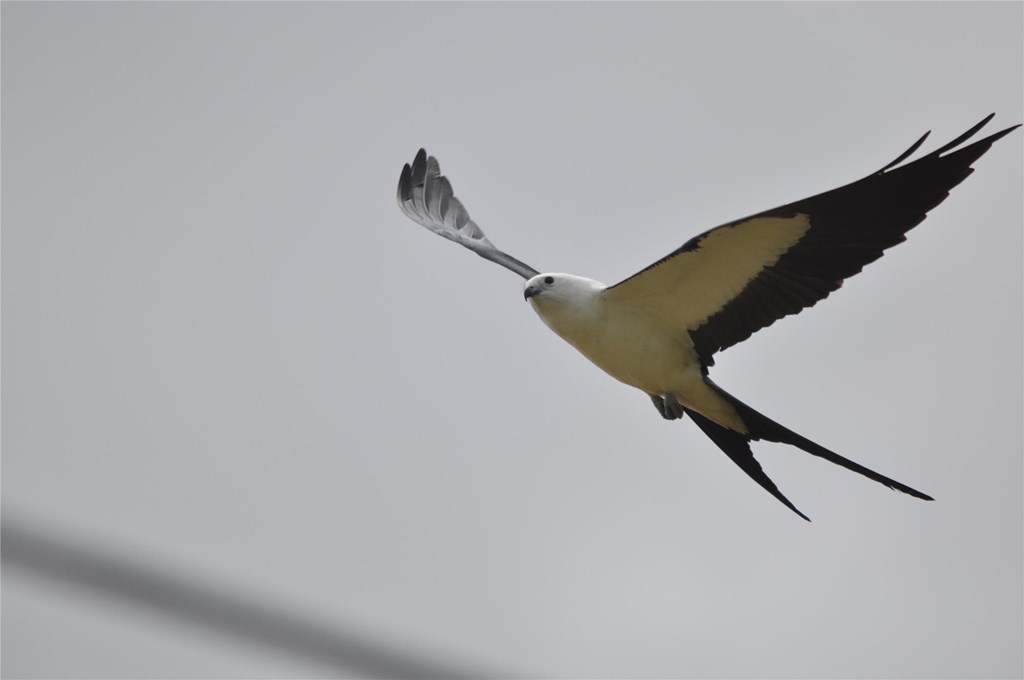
(530, 292)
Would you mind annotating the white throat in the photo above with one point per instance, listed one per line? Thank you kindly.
(569, 305)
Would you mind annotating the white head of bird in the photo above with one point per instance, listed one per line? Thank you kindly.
(564, 301)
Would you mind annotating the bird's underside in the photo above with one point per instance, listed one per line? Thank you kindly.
(659, 329)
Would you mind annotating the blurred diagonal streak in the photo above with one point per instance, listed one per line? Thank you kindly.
(132, 580)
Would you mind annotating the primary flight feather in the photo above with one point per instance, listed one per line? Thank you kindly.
(659, 329)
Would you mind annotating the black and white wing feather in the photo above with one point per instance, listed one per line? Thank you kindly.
(426, 197)
(731, 281)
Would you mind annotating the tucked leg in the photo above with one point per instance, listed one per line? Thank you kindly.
(668, 406)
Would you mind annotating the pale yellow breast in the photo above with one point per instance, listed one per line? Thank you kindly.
(626, 343)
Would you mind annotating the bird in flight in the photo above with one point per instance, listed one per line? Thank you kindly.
(659, 329)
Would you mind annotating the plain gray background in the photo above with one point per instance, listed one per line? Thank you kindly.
(226, 352)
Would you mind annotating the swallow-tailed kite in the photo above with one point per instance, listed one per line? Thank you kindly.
(659, 329)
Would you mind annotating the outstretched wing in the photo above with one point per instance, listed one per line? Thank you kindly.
(727, 283)
(426, 197)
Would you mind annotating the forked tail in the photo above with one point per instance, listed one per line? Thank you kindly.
(737, 446)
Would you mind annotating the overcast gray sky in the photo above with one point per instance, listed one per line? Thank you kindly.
(227, 354)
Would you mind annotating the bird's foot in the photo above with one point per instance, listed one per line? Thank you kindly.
(668, 406)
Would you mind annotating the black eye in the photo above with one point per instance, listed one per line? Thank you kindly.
(549, 280)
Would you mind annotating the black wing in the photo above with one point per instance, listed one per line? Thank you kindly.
(731, 281)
